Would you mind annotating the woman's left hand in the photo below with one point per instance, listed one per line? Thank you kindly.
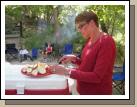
(58, 69)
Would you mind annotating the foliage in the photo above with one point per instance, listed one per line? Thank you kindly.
(42, 22)
(36, 39)
(78, 43)
(120, 48)
(112, 16)
(9, 24)
(14, 11)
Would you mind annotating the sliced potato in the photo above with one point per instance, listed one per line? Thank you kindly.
(24, 70)
(29, 70)
(41, 69)
(34, 72)
(30, 66)
(36, 68)
(46, 65)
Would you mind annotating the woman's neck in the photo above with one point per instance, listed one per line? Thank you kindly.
(95, 35)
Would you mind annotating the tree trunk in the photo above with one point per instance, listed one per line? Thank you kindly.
(56, 24)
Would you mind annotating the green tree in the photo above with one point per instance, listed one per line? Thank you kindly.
(60, 19)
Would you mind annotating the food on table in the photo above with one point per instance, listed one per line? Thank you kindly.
(35, 66)
(29, 69)
(24, 70)
(39, 68)
(34, 72)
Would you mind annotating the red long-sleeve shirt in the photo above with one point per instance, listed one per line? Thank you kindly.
(94, 74)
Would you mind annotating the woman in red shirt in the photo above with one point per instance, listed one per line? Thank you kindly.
(47, 51)
(95, 67)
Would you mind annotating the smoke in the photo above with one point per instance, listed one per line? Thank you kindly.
(41, 26)
(66, 32)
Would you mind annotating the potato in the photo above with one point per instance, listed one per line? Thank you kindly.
(36, 68)
(34, 72)
(41, 68)
(24, 70)
(29, 69)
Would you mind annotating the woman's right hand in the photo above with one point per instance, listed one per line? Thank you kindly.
(67, 58)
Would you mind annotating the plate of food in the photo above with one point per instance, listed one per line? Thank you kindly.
(36, 70)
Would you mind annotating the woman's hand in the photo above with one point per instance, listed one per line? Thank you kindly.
(59, 69)
(67, 58)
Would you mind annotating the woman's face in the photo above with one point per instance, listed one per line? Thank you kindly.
(84, 28)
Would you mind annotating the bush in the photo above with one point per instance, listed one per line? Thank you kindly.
(35, 39)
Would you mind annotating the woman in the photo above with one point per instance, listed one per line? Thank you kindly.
(95, 67)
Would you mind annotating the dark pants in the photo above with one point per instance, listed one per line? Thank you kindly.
(27, 56)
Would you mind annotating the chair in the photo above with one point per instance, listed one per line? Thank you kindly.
(34, 53)
(68, 49)
(119, 79)
(11, 54)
